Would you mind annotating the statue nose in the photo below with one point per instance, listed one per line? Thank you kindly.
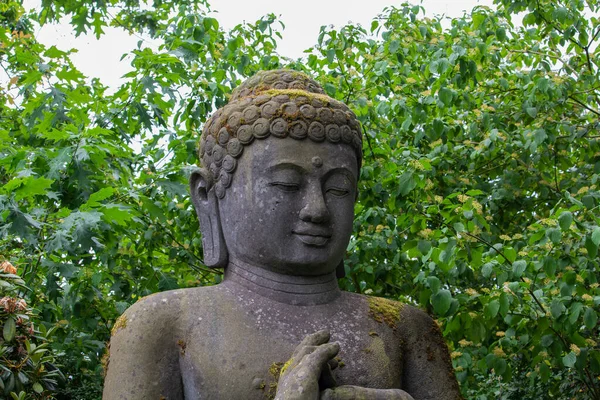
(315, 210)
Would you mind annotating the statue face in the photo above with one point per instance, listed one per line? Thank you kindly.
(290, 206)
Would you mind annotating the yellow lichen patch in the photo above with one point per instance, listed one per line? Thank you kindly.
(385, 311)
(120, 323)
(275, 371)
(105, 360)
(299, 93)
(286, 366)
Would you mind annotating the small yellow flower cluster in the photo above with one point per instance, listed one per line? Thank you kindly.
(517, 236)
(436, 143)
(583, 190)
(425, 233)
(471, 292)
(505, 237)
(579, 278)
(417, 165)
(575, 349)
(500, 334)
(485, 290)
(478, 207)
(591, 342)
(498, 352)
(594, 285)
(429, 184)
(488, 218)
(411, 80)
(455, 354)
(486, 107)
(586, 297)
(523, 253)
(465, 343)
(459, 368)
(548, 222)
(379, 228)
(438, 199)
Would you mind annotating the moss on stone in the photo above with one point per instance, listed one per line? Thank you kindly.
(293, 93)
(385, 311)
(104, 361)
(274, 371)
(286, 366)
(120, 323)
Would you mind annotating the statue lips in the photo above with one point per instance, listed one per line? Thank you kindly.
(312, 237)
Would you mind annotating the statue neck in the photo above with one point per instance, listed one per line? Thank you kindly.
(290, 289)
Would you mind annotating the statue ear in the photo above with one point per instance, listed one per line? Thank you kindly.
(207, 208)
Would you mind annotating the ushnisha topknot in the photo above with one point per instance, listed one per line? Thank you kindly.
(280, 103)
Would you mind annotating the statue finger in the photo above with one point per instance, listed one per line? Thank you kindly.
(333, 363)
(317, 338)
(318, 359)
(312, 340)
(327, 380)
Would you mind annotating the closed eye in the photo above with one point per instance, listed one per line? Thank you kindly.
(339, 192)
(285, 186)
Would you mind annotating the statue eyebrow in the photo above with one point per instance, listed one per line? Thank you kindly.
(283, 164)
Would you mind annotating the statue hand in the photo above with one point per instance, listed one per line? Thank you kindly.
(355, 392)
(308, 372)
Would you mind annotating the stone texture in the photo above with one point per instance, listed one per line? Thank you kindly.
(275, 198)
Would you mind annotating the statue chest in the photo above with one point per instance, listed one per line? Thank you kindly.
(232, 352)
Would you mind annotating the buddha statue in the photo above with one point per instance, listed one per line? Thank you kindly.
(275, 198)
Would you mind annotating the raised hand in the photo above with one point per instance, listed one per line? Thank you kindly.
(308, 371)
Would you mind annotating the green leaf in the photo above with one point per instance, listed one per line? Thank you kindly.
(519, 267)
(596, 236)
(554, 234)
(487, 270)
(441, 301)
(9, 330)
(406, 183)
(510, 253)
(569, 360)
(557, 308)
(445, 95)
(590, 318)
(37, 388)
(491, 309)
(434, 284)
(565, 219)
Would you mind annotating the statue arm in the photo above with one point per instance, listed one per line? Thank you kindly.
(143, 361)
(428, 373)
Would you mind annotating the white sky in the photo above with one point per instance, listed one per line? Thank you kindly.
(302, 18)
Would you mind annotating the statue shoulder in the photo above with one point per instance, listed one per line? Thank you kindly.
(144, 344)
(426, 357)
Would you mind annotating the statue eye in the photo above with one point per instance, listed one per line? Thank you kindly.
(338, 192)
(285, 186)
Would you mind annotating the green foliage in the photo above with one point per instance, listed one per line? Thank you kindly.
(479, 194)
(27, 369)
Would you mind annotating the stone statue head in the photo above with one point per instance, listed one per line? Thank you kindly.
(277, 183)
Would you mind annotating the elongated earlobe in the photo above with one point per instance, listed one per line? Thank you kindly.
(207, 209)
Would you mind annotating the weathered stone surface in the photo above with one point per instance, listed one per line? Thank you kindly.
(275, 199)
